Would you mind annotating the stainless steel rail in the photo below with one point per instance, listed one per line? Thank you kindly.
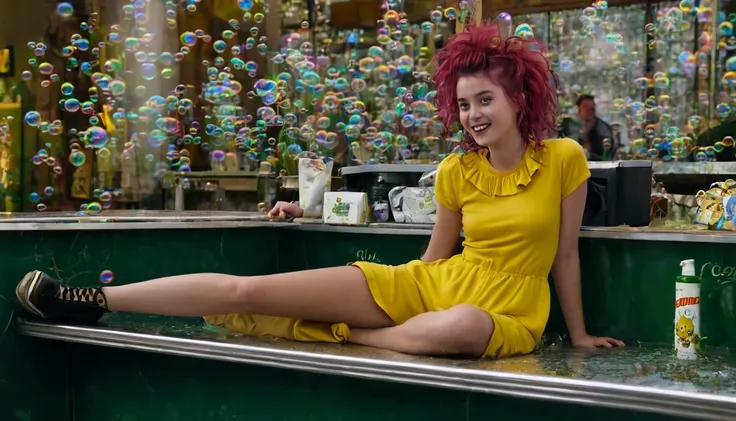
(370, 364)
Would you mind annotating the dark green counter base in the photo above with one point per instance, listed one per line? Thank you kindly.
(121, 385)
(628, 289)
(117, 384)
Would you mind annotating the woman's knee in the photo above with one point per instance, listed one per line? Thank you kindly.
(468, 328)
(246, 290)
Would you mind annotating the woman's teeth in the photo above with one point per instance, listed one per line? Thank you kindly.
(480, 128)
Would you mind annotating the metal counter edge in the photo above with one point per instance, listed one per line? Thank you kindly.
(613, 233)
(549, 388)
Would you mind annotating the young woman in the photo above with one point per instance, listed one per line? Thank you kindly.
(519, 199)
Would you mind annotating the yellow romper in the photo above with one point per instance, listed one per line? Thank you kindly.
(511, 222)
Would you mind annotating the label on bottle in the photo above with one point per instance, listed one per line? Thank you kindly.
(687, 320)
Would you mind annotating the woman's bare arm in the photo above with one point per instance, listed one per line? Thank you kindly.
(566, 271)
(445, 235)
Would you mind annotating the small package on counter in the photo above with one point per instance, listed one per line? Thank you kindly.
(413, 204)
(315, 178)
(346, 208)
(717, 206)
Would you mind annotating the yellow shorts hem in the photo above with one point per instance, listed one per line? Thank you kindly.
(510, 337)
(370, 274)
(496, 342)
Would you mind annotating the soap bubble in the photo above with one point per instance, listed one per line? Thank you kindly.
(96, 137)
(32, 118)
(65, 9)
(77, 158)
(106, 276)
(93, 208)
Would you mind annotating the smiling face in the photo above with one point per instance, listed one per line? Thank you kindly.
(486, 113)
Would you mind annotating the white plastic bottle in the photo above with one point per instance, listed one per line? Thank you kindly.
(687, 312)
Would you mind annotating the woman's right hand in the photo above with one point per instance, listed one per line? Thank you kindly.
(283, 209)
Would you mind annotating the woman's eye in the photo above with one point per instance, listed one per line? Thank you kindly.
(485, 100)
(463, 106)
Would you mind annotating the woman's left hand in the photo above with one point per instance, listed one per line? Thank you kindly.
(592, 342)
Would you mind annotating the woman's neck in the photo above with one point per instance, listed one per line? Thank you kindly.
(507, 156)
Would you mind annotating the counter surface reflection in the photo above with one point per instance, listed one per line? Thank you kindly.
(136, 220)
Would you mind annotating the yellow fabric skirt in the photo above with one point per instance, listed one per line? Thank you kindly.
(519, 304)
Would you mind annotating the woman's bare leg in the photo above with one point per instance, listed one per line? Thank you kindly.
(332, 295)
(326, 296)
(460, 330)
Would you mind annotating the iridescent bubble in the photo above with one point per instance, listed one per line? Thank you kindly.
(149, 71)
(166, 58)
(117, 87)
(40, 207)
(723, 110)
(106, 276)
(188, 39)
(358, 85)
(264, 87)
(219, 46)
(157, 138)
(65, 9)
(67, 89)
(96, 137)
(323, 122)
(34, 197)
(45, 68)
(237, 63)
(168, 124)
(32, 118)
(104, 153)
(293, 150)
(408, 121)
(93, 208)
(48, 191)
(687, 5)
(525, 30)
(72, 105)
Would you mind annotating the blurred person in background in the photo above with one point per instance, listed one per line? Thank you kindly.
(590, 131)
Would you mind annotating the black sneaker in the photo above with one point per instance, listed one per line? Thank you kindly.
(45, 297)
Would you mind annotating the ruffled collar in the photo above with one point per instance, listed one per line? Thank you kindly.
(502, 183)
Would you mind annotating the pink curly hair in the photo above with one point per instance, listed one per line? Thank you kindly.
(516, 64)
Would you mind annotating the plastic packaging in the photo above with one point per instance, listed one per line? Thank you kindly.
(413, 204)
(687, 312)
(315, 178)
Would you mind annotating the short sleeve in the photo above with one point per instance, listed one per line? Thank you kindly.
(447, 183)
(574, 166)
